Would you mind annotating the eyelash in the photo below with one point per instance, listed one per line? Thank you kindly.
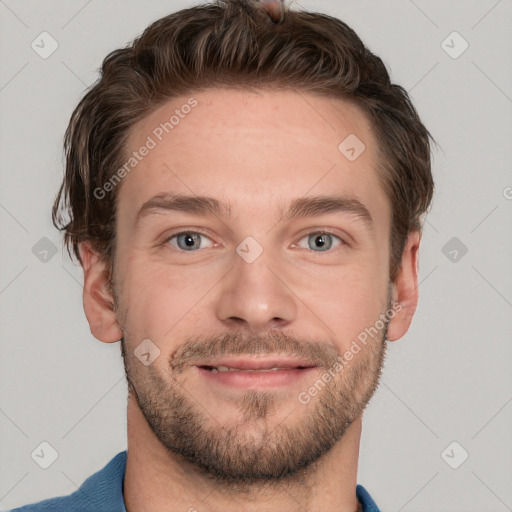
(318, 232)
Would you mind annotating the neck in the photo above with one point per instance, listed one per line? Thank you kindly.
(158, 481)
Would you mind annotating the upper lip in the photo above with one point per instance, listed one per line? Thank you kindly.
(257, 363)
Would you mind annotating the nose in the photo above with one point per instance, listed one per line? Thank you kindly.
(255, 296)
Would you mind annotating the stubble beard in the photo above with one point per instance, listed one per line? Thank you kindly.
(256, 450)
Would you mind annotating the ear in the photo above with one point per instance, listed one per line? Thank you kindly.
(97, 297)
(405, 288)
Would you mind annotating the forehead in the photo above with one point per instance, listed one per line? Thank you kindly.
(254, 150)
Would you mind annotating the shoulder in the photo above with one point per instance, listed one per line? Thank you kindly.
(366, 500)
(59, 504)
(101, 492)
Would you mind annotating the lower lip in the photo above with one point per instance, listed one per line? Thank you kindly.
(259, 379)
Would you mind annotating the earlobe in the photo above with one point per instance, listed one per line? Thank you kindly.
(405, 289)
(97, 297)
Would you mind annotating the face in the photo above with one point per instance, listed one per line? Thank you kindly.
(246, 239)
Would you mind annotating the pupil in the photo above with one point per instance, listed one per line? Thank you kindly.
(322, 241)
(187, 241)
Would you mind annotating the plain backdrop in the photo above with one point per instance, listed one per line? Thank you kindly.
(446, 390)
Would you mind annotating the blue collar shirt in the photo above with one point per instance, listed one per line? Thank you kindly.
(103, 492)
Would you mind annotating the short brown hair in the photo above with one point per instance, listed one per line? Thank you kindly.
(237, 44)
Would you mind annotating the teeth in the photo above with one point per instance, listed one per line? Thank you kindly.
(226, 369)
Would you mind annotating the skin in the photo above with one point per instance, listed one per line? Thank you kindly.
(258, 151)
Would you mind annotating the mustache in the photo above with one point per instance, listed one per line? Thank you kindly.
(277, 343)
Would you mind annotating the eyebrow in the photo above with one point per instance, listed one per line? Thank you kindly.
(314, 206)
(311, 206)
(196, 205)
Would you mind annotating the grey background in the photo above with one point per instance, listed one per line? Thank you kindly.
(447, 380)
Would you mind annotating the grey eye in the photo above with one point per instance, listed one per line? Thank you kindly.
(187, 241)
(320, 242)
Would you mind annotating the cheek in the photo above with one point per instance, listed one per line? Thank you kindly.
(350, 301)
(158, 297)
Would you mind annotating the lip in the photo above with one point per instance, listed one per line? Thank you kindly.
(255, 379)
(258, 363)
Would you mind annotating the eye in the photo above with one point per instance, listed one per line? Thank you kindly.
(188, 241)
(321, 240)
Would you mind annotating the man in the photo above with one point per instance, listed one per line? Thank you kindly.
(244, 190)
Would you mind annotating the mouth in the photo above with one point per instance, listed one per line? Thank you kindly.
(255, 364)
(222, 368)
(254, 372)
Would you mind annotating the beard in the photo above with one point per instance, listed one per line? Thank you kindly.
(258, 449)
